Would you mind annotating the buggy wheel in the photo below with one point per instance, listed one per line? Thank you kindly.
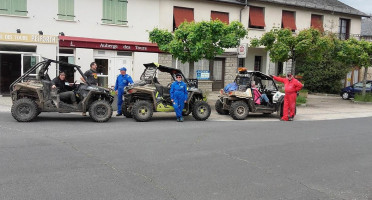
(125, 111)
(219, 108)
(142, 111)
(239, 110)
(279, 113)
(100, 111)
(201, 110)
(345, 96)
(24, 110)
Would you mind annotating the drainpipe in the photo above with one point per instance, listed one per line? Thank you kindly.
(240, 16)
(240, 20)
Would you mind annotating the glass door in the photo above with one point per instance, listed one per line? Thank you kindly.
(28, 61)
(102, 72)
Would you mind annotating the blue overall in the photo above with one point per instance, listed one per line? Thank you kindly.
(121, 82)
(178, 93)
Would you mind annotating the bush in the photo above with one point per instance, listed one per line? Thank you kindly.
(367, 98)
(301, 100)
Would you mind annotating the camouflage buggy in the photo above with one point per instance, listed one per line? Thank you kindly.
(240, 102)
(31, 96)
(147, 96)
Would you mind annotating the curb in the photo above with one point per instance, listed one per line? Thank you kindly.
(361, 102)
(325, 94)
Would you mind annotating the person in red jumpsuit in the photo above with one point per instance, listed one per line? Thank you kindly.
(291, 87)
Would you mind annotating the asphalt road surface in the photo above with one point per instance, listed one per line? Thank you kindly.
(66, 156)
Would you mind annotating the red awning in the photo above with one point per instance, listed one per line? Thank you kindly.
(118, 45)
(183, 14)
(288, 20)
(256, 16)
(222, 16)
(317, 22)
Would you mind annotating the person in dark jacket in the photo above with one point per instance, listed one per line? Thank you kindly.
(178, 93)
(122, 81)
(60, 83)
(91, 75)
(291, 87)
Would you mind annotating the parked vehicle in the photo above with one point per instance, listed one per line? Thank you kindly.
(147, 96)
(350, 91)
(240, 102)
(32, 95)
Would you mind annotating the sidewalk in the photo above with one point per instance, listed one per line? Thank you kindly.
(318, 107)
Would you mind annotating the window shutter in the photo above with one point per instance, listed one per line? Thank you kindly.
(316, 22)
(70, 9)
(5, 6)
(108, 12)
(182, 14)
(20, 7)
(121, 12)
(222, 16)
(256, 17)
(288, 20)
(61, 9)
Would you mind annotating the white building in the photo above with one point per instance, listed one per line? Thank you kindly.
(112, 33)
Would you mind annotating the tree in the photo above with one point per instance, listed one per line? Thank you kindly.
(283, 45)
(192, 41)
(322, 69)
(357, 53)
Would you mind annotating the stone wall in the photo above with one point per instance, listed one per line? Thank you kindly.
(166, 60)
(205, 86)
(231, 69)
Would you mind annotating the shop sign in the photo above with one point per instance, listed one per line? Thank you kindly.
(202, 74)
(29, 38)
(242, 50)
(116, 45)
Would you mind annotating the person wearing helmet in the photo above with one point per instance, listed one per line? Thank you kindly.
(178, 93)
(122, 81)
(291, 87)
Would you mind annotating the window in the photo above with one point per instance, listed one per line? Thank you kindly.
(241, 62)
(222, 16)
(288, 20)
(257, 63)
(182, 14)
(66, 10)
(256, 17)
(280, 68)
(67, 55)
(344, 29)
(317, 22)
(115, 12)
(13, 7)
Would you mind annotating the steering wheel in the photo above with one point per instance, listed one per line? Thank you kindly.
(74, 86)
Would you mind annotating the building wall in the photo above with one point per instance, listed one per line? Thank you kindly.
(273, 19)
(202, 11)
(142, 15)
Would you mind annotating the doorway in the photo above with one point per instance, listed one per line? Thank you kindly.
(102, 72)
(10, 70)
(217, 70)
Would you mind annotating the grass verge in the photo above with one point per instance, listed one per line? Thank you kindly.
(367, 98)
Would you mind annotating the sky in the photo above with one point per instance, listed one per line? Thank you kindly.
(362, 5)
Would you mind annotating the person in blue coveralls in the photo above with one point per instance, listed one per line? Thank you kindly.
(178, 93)
(121, 81)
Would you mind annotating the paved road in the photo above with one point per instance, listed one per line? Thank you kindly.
(70, 157)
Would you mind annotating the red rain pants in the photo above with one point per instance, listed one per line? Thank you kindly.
(289, 105)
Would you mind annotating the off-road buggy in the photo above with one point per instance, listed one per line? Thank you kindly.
(146, 96)
(31, 95)
(240, 102)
